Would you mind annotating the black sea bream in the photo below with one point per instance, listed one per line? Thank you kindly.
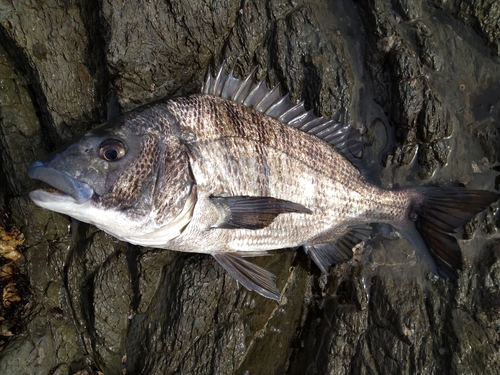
(239, 170)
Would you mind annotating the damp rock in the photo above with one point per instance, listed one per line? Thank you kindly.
(418, 76)
(483, 16)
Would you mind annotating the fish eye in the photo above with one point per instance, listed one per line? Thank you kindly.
(112, 150)
(413, 216)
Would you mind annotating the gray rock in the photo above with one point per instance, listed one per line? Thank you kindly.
(419, 78)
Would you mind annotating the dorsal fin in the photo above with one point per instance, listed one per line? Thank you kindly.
(250, 93)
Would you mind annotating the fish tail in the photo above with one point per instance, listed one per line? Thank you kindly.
(432, 220)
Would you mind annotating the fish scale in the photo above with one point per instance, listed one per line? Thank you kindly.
(240, 176)
(239, 170)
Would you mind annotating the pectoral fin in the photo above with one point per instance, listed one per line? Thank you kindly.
(249, 275)
(254, 212)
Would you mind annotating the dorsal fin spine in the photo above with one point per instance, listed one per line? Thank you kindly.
(245, 87)
(290, 114)
(217, 84)
(250, 93)
(314, 126)
(268, 99)
(248, 100)
(297, 121)
(226, 93)
(276, 106)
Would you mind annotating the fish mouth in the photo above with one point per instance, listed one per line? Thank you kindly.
(67, 188)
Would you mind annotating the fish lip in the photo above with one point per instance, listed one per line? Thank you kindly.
(78, 190)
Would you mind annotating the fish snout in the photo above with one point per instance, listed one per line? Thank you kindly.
(78, 190)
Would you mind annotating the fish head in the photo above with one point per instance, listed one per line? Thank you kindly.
(129, 177)
(89, 165)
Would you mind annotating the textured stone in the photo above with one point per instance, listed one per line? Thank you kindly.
(419, 78)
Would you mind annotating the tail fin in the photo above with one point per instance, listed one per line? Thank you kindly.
(436, 213)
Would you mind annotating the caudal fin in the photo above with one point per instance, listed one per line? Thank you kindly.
(436, 214)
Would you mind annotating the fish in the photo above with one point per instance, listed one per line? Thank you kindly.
(239, 170)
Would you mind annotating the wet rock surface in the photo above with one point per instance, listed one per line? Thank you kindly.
(419, 78)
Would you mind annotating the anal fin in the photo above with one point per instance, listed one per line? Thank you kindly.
(338, 250)
(254, 212)
(249, 275)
